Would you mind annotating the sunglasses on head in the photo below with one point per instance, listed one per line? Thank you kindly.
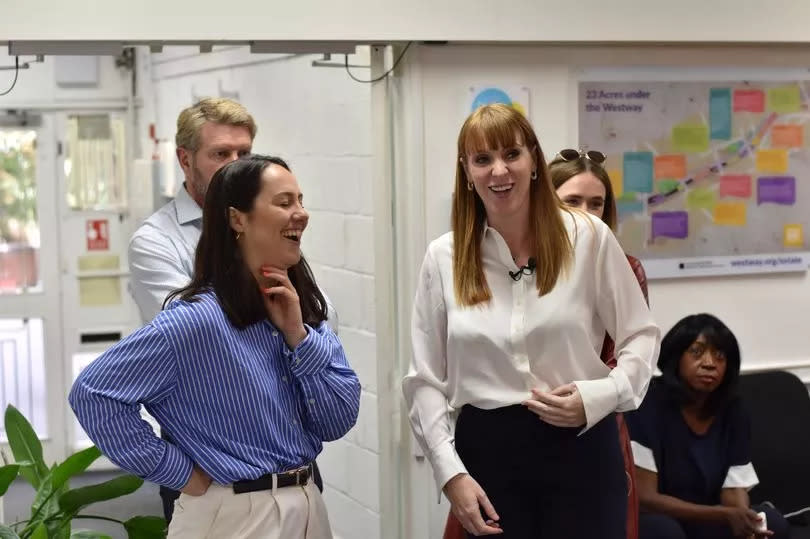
(569, 154)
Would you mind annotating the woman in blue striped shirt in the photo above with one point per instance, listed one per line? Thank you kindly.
(239, 369)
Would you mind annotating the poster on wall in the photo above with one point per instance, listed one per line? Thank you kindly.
(98, 234)
(711, 178)
(514, 96)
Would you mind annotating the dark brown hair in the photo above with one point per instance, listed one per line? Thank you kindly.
(218, 262)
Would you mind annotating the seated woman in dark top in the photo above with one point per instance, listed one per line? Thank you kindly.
(691, 442)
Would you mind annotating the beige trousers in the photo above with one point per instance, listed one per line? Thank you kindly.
(286, 513)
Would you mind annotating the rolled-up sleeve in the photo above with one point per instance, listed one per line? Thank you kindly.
(106, 398)
(623, 310)
(425, 385)
(330, 387)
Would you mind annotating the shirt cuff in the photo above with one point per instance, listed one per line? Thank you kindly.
(174, 469)
(446, 464)
(643, 457)
(599, 397)
(311, 355)
(743, 476)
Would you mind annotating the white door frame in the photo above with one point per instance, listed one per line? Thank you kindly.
(408, 495)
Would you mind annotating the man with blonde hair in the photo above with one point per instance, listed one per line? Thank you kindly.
(210, 134)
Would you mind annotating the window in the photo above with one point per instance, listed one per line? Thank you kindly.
(19, 226)
(95, 162)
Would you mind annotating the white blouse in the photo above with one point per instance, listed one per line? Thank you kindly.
(492, 354)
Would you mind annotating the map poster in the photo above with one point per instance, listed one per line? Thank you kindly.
(711, 178)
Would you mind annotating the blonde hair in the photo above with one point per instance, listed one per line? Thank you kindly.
(211, 109)
(491, 127)
(561, 171)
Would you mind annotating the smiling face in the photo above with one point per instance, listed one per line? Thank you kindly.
(501, 177)
(270, 233)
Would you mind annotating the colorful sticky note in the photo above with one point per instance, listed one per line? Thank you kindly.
(627, 206)
(616, 183)
(749, 101)
(720, 113)
(787, 136)
(670, 166)
(637, 172)
(784, 99)
(776, 189)
(670, 224)
(772, 160)
(735, 185)
(667, 186)
(793, 236)
(693, 138)
(730, 213)
(701, 198)
(734, 147)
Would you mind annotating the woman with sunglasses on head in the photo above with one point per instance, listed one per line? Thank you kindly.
(691, 442)
(509, 317)
(582, 182)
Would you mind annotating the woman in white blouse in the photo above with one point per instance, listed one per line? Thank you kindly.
(509, 317)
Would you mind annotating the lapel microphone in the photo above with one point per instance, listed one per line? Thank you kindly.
(528, 269)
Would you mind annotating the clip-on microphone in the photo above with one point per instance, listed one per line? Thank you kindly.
(528, 269)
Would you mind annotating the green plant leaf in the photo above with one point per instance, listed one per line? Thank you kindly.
(45, 506)
(88, 534)
(73, 465)
(59, 529)
(25, 445)
(7, 475)
(146, 528)
(7, 533)
(73, 500)
(40, 532)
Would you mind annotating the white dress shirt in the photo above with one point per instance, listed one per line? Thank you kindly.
(161, 255)
(492, 354)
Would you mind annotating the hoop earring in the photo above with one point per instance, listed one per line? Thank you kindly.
(534, 174)
(469, 186)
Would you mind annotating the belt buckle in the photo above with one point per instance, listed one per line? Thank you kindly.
(298, 473)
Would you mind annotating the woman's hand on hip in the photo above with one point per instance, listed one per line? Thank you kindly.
(469, 502)
(561, 407)
(198, 483)
(284, 306)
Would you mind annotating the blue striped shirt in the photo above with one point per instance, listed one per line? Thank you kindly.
(238, 403)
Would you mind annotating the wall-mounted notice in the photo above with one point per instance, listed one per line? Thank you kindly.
(711, 178)
(515, 96)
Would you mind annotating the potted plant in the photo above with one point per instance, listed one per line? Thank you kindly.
(56, 505)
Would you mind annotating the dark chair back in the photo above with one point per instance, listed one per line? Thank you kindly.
(779, 405)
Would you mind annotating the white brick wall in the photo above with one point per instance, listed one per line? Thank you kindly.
(319, 120)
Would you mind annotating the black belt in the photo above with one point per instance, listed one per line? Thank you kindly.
(292, 478)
